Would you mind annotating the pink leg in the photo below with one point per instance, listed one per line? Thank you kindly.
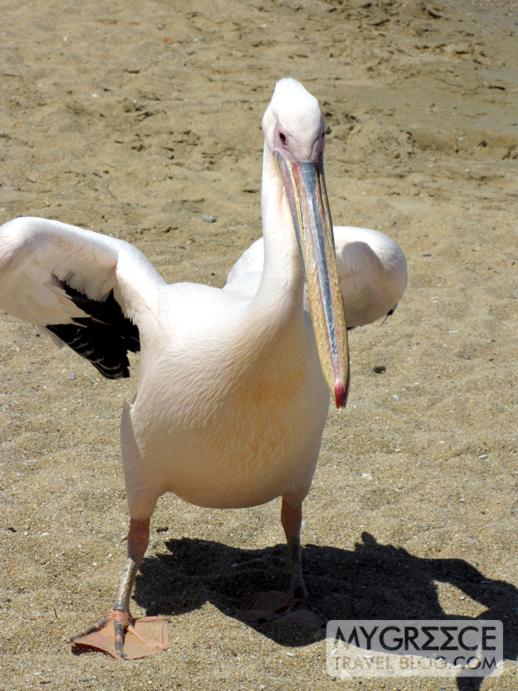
(291, 519)
(290, 607)
(120, 635)
(138, 539)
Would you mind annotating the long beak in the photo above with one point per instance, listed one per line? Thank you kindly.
(305, 187)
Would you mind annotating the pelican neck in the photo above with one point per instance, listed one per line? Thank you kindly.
(282, 280)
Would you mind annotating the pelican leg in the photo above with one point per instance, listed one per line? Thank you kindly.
(120, 635)
(291, 519)
(138, 540)
(293, 606)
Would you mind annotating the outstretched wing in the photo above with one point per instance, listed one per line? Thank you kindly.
(90, 290)
(371, 268)
(372, 272)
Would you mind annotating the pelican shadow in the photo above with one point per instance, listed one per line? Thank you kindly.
(373, 581)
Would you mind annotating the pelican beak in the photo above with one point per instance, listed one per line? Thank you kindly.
(305, 187)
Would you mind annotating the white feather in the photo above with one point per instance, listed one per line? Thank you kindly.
(372, 272)
(37, 254)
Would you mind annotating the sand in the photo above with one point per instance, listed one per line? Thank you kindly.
(137, 119)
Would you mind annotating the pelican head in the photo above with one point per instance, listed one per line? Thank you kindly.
(294, 133)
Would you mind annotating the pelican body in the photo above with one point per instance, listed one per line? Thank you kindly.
(234, 383)
(240, 421)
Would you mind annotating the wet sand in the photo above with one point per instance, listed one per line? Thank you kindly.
(137, 119)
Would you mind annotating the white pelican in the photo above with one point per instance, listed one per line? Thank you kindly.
(234, 386)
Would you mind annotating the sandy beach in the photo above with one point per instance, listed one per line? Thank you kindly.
(139, 119)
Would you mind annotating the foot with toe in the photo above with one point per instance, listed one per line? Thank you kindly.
(284, 608)
(123, 637)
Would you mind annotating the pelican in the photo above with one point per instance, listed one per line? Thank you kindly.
(235, 383)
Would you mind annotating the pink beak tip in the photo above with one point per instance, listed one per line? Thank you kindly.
(341, 394)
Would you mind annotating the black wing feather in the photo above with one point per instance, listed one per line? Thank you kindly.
(104, 337)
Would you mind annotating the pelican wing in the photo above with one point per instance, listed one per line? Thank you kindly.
(245, 276)
(372, 271)
(371, 267)
(89, 290)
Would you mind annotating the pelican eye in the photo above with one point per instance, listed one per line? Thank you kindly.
(283, 138)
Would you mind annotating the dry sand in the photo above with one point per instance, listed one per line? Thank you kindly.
(136, 119)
